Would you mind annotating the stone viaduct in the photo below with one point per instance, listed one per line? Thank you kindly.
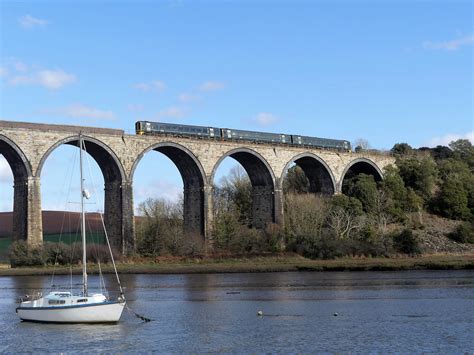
(26, 146)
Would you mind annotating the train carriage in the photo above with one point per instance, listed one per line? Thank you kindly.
(145, 127)
(259, 137)
(324, 143)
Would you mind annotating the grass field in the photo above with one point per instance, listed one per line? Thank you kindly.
(67, 238)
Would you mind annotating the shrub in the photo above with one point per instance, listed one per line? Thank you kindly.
(59, 253)
(364, 188)
(23, 255)
(406, 242)
(275, 238)
(305, 216)
(452, 201)
(99, 253)
(464, 233)
(193, 245)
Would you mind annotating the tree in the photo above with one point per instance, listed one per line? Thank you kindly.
(452, 201)
(347, 203)
(463, 150)
(304, 216)
(463, 147)
(234, 194)
(420, 174)
(161, 228)
(401, 149)
(344, 222)
(295, 181)
(456, 170)
(441, 152)
(364, 188)
(402, 199)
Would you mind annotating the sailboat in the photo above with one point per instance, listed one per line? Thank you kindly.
(66, 307)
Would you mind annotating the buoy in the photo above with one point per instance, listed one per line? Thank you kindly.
(335, 314)
(260, 313)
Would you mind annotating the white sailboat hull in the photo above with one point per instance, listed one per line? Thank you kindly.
(108, 312)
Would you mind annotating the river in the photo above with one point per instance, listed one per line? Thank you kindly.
(304, 312)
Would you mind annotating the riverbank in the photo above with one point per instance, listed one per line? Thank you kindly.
(278, 263)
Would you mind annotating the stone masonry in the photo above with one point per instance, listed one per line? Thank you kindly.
(26, 146)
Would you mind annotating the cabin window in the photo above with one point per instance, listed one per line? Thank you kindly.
(56, 302)
(82, 300)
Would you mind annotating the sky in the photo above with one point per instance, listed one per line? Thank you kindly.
(385, 71)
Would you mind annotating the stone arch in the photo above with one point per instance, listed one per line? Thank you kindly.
(262, 178)
(21, 172)
(194, 182)
(320, 176)
(19, 164)
(361, 166)
(115, 184)
(105, 157)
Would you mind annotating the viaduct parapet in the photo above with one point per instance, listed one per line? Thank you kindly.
(26, 146)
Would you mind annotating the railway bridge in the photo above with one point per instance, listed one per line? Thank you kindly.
(26, 146)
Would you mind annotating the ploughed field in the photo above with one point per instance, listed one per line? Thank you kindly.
(57, 226)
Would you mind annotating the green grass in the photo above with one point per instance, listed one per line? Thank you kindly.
(67, 238)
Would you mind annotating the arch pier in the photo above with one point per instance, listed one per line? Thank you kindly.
(26, 194)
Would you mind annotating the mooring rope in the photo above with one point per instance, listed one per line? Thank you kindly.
(143, 318)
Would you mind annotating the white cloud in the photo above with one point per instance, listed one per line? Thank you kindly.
(6, 175)
(29, 21)
(186, 98)
(155, 85)
(50, 79)
(172, 112)
(159, 189)
(265, 119)
(82, 111)
(448, 138)
(450, 45)
(54, 79)
(211, 86)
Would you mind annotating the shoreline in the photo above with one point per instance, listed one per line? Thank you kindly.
(257, 264)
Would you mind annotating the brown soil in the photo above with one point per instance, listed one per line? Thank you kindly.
(54, 222)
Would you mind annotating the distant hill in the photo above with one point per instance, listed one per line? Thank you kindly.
(54, 222)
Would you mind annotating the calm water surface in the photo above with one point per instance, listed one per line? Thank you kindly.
(403, 312)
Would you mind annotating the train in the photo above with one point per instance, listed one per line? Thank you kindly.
(229, 134)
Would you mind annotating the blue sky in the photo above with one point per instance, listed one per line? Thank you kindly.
(391, 71)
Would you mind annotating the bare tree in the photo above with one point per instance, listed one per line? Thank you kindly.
(234, 194)
(304, 214)
(381, 205)
(361, 144)
(343, 222)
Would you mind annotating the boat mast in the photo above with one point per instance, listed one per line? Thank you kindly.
(83, 223)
